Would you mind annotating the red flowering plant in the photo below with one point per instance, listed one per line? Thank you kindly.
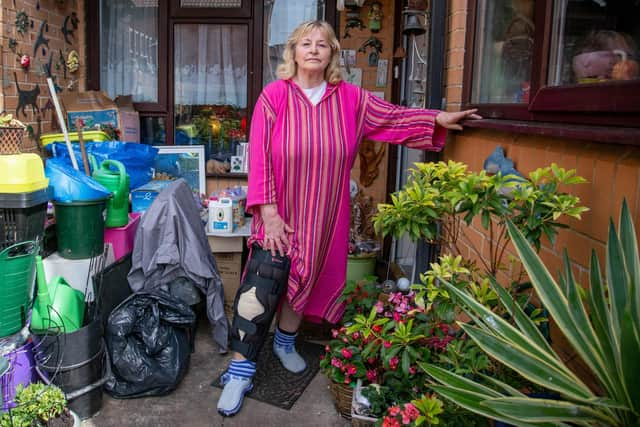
(359, 297)
(423, 411)
(343, 361)
(395, 337)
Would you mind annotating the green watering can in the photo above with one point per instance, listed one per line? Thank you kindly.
(113, 175)
(58, 307)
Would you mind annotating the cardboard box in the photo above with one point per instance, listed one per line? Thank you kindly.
(230, 269)
(229, 243)
(142, 197)
(95, 108)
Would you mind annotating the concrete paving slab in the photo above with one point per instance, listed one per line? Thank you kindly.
(193, 404)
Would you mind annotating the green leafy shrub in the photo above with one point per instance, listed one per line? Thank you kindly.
(37, 405)
(603, 328)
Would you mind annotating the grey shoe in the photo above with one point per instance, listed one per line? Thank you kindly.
(235, 388)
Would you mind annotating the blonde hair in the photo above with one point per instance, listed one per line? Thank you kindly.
(289, 68)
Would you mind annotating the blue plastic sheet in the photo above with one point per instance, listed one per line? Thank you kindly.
(137, 158)
(70, 185)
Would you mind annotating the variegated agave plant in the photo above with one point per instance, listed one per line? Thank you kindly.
(604, 332)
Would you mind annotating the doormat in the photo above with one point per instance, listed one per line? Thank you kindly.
(273, 384)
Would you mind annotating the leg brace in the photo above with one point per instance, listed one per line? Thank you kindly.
(256, 302)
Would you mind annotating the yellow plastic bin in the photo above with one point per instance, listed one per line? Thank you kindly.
(87, 136)
(22, 173)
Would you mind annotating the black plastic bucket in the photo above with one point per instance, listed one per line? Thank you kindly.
(76, 363)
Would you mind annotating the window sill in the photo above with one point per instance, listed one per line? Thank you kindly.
(600, 134)
(227, 175)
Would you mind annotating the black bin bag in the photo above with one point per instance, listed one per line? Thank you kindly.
(148, 338)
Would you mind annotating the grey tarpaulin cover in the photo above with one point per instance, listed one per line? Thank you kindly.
(171, 243)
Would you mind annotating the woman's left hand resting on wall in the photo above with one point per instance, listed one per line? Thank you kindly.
(449, 120)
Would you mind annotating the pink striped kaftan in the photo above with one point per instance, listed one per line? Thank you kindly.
(300, 157)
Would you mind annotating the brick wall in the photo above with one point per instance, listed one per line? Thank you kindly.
(39, 11)
(454, 64)
(612, 172)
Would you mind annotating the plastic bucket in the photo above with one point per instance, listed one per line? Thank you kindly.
(21, 371)
(17, 269)
(75, 362)
(359, 268)
(81, 383)
(80, 228)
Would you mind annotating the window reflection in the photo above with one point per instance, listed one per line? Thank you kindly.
(504, 48)
(129, 49)
(210, 89)
(280, 19)
(594, 42)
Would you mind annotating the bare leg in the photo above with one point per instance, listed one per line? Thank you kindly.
(289, 320)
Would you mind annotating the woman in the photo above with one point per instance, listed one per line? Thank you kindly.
(305, 132)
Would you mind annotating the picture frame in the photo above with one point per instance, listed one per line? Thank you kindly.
(353, 76)
(182, 161)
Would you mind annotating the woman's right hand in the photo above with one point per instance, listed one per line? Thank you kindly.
(276, 231)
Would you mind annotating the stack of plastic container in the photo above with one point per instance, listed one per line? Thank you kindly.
(24, 194)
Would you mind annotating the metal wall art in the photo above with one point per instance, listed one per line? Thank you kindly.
(374, 43)
(41, 40)
(69, 26)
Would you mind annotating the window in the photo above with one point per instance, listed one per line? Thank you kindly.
(194, 67)
(210, 88)
(129, 49)
(569, 61)
(280, 19)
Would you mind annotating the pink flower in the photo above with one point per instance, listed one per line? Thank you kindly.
(355, 335)
(351, 370)
(327, 349)
(336, 362)
(377, 328)
(411, 411)
(394, 410)
(371, 375)
(412, 370)
(405, 419)
(390, 422)
(379, 307)
(393, 363)
(387, 344)
(396, 316)
(334, 333)
(346, 353)
(347, 380)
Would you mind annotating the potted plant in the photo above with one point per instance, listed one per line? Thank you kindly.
(441, 196)
(39, 405)
(11, 133)
(602, 325)
(380, 351)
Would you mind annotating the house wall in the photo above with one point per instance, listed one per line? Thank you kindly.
(53, 12)
(612, 172)
(377, 188)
